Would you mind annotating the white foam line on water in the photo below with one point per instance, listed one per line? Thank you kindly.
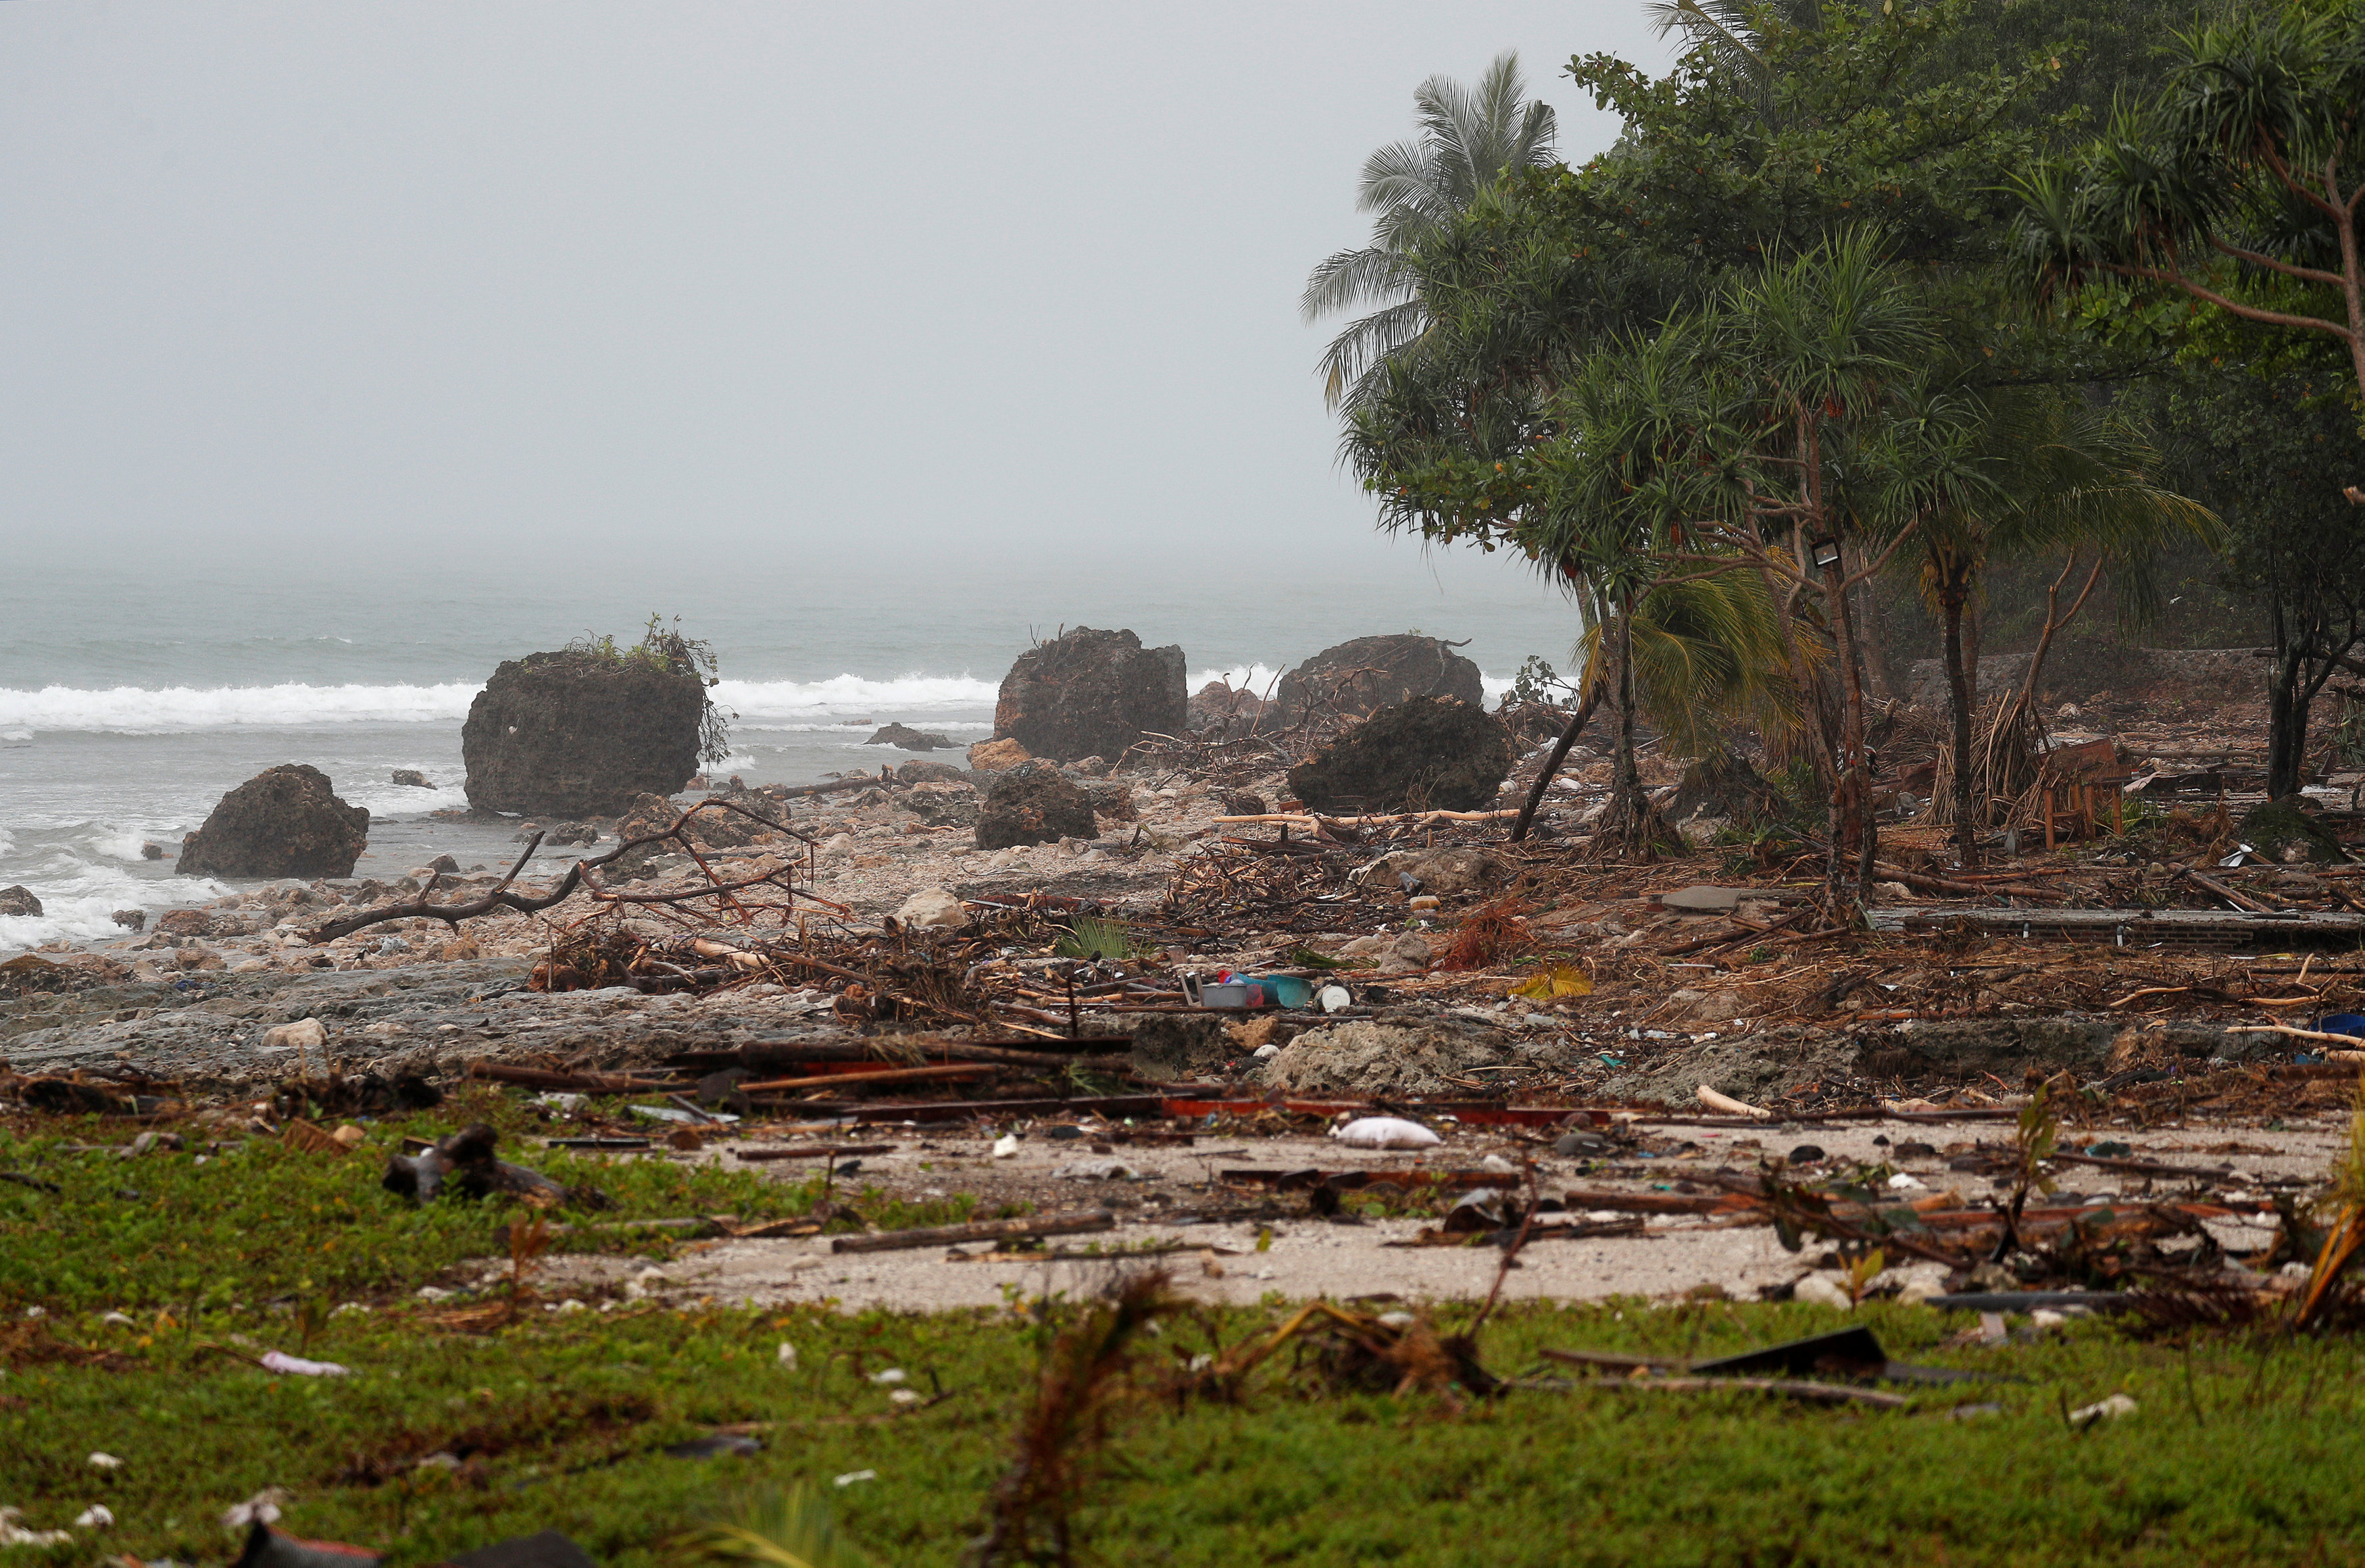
(1263, 679)
(141, 711)
(819, 701)
(137, 709)
(79, 898)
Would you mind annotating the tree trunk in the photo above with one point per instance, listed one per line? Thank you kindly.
(1629, 827)
(2287, 707)
(1951, 593)
(1974, 623)
(1851, 826)
(1552, 763)
(1877, 671)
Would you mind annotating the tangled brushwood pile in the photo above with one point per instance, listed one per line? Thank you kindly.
(1290, 884)
(769, 894)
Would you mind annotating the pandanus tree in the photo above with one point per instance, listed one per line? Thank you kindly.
(2239, 186)
(1818, 346)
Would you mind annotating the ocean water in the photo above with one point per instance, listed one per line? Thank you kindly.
(134, 692)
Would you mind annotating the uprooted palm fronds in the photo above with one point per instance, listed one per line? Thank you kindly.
(2347, 1234)
(1344, 1348)
(1489, 935)
(785, 1528)
(1087, 1375)
(2005, 765)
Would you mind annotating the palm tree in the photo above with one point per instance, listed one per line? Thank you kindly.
(1470, 138)
(1729, 29)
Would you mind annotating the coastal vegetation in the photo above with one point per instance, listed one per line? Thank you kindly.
(634, 1426)
(1870, 303)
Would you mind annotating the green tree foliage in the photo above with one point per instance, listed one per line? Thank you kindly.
(2021, 472)
(1766, 338)
(2239, 186)
(1469, 138)
(2261, 452)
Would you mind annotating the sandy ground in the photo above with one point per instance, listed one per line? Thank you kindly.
(1308, 1255)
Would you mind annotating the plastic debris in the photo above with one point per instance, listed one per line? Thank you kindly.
(543, 1549)
(2110, 1409)
(268, 1548)
(280, 1361)
(14, 1534)
(1386, 1132)
(851, 1476)
(98, 1515)
(1006, 1147)
(1101, 1170)
(787, 1357)
(893, 1374)
(260, 1510)
(103, 1461)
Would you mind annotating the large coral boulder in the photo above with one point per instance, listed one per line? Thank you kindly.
(580, 734)
(1356, 679)
(1091, 694)
(1033, 803)
(1436, 753)
(284, 822)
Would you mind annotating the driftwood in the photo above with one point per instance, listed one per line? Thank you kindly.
(578, 875)
(984, 1230)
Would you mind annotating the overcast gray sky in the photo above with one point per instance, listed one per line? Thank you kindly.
(945, 279)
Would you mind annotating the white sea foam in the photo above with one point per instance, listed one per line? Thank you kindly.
(135, 709)
(816, 701)
(402, 799)
(144, 711)
(121, 845)
(1257, 677)
(79, 898)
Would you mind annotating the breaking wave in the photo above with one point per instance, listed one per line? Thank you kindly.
(777, 704)
(856, 696)
(135, 709)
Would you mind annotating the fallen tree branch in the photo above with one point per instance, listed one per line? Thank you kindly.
(1551, 768)
(501, 897)
(889, 1075)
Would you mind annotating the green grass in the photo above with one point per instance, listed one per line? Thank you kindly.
(2241, 1452)
(562, 1423)
(258, 1222)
